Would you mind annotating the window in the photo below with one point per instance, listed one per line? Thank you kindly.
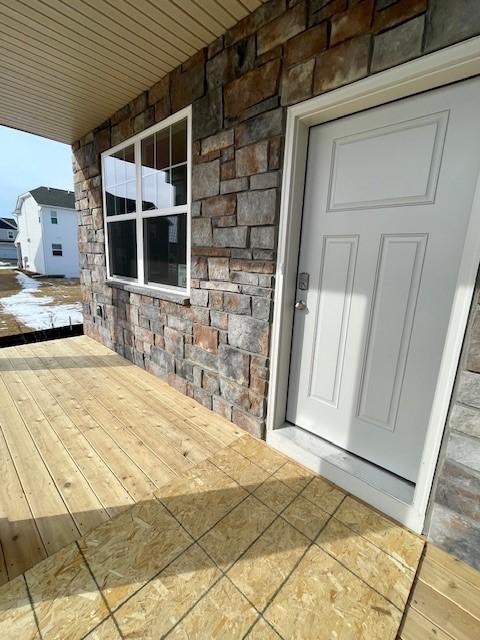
(10, 235)
(146, 197)
(57, 250)
(53, 217)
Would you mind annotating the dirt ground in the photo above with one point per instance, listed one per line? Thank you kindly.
(29, 304)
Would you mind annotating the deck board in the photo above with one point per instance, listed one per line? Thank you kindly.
(20, 540)
(115, 405)
(53, 520)
(133, 408)
(84, 434)
(155, 399)
(445, 600)
(77, 494)
(96, 427)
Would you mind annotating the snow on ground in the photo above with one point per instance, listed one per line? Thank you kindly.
(36, 311)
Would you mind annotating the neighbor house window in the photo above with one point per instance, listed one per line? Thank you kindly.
(53, 217)
(146, 197)
(10, 234)
(57, 250)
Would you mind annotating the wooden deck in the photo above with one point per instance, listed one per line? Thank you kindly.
(445, 600)
(85, 434)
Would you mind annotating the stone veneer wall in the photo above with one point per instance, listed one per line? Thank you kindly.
(216, 348)
(455, 506)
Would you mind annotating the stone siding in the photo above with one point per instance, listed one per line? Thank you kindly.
(454, 520)
(216, 348)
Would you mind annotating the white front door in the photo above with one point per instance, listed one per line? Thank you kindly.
(388, 196)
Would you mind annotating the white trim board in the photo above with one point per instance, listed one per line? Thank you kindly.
(342, 466)
(449, 65)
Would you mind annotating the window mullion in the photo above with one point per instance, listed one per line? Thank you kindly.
(139, 227)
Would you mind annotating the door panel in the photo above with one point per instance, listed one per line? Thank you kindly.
(356, 184)
(393, 311)
(388, 196)
(333, 311)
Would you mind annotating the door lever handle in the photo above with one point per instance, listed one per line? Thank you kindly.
(300, 305)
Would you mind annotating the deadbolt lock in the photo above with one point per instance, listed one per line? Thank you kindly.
(303, 279)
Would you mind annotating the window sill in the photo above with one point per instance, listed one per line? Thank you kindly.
(178, 298)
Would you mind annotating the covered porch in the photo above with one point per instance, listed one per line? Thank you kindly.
(129, 510)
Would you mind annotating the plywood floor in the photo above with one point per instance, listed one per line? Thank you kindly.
(84, 434)
(248, 544)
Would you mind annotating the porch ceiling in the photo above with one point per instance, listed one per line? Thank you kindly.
(67, 66)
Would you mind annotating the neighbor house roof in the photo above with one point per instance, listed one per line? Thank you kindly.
(53, 197)
(8, 223)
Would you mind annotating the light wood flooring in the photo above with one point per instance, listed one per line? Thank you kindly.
(84, 434)
(445, 600)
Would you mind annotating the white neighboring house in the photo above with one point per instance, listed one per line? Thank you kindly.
(47, 240)
(8, 231)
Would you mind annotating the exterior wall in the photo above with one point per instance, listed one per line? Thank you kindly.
(30, 236)
(217, 348)
(64, 232)
(454, 520)
(7, 244)
(8, 250)
(4, 235)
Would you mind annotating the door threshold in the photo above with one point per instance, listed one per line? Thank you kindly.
(356, 475)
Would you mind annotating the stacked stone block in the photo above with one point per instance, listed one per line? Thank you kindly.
(455, 514)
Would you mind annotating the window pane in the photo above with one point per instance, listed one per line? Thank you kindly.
(179, 185)
(164, 189)
(162, 149)
(130, 193)
(122, 247)
(149, 192)
(156, 190)
(124, 165)
(119, 177)
(148, 155)
(110, 200)
(179, 142)
(120, 193)
(108, 170)
(165, 247)
(130, 162)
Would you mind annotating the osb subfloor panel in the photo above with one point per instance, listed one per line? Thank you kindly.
(84, 435)
(247, 544)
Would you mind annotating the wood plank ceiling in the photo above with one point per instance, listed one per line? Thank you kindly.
(67, 65)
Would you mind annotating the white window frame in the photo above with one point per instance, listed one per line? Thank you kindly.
(53, 216)
(139, 215)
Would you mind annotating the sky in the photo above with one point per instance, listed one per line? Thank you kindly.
(28, 161)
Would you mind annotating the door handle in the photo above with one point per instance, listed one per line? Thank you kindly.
(300, 305)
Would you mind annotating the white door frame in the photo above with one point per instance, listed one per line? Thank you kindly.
(449, 65)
